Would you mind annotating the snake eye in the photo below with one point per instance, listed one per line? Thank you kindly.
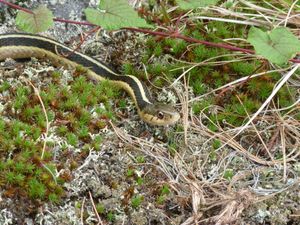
(160, 115)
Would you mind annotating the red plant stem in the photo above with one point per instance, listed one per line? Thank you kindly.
(189, 39)
(55, 19)
(16, 6)
(83, 40)
(73, 22)
(154, 33)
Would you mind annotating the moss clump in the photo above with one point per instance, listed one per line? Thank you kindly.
(24, 171)
(136, 201)
(68, 108)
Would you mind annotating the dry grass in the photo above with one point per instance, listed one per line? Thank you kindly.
(265, 134)
(267, 143)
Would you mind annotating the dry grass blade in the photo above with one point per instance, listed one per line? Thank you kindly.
(95, 209)
(234, 207)
(280, 15)
(82, 211)
(256, 131)
(155, 151)
(267, 101)
(36, 91)
(243, 22)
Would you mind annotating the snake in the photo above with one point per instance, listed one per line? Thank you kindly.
(25, 45)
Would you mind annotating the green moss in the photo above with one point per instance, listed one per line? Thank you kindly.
(212, 127)
(80, 70)
(161, 199)
(10, 177)
(159, 82)
(200, 53)
(136, 201)
(228, 4)
(62, 130)
(96, 144)
(164, 192)
(216, 144)
(83, 134)
(54, 198)
(70, 103)
(20, 166)
(4, 86)
(72, 109)
(157, 69)
(56, 75)
(178, 47)
(130, 172)
(127, 68)
(219, 30)
(196, 33)
(239, 109)
(286, 96)
(201, 105)
(198, 87)
(19, 179)
(265, 91)
(213, 155)
(139, 181)
(106, 90)
(140, 159)
(105, 113)
(72, 139)
(228, 174)
(158, 50)
(243, 68)
(172, 148)
(36, 189)
(122, 103)
(21, 97)
(151, 42)
(111, 217)
(100, 208)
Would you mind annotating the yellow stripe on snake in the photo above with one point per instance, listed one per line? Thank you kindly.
(20, 46)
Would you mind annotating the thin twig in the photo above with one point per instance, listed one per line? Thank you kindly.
(289, 13)
(36, 91)
(267, 101)
(95, 209)
(259, 136)
(82, 211)
(283, 146)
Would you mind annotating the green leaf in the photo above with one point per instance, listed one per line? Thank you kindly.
(113, 15)
(39, 21)
(278, 45)
(193, 4)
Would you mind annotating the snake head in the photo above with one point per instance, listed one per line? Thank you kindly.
(159, 114)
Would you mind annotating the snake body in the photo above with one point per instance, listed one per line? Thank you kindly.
(20, 46)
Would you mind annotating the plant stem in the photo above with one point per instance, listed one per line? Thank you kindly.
(73, 22)
(154, 33)
(189, 39)
(16, 6)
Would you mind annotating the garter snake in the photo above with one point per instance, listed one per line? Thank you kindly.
(20, 46)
